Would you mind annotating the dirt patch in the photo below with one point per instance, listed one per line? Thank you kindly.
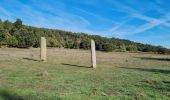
(151, 82)
(44, 74)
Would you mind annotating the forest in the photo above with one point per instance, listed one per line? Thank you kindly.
(16, 34)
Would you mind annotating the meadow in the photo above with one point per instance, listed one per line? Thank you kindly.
(119, 75)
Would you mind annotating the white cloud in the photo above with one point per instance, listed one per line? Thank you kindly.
(5, 12)
(95, 15)
(59, 18)
(124, 29)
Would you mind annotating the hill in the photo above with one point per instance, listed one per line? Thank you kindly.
(22, 36)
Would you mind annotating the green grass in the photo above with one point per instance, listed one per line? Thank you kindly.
(118, 75)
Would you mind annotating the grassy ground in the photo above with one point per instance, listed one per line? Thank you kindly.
(118, 75)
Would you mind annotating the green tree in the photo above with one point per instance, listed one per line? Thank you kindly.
(1, 24)
(18, 35)
(18, 23)
(108, 47)
(85, 44)
(3, 38)
(7, 25)
(162, 50)
(131, 48)
(122, 48)
(52, 42)
(12, 42)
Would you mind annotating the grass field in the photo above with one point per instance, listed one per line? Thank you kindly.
(119, 75)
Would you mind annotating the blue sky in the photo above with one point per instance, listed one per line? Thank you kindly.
(145, 21)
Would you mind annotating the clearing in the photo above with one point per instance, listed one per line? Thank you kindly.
(119, 75)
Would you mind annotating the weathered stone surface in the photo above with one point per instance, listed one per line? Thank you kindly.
(43, 49)
(93, 54)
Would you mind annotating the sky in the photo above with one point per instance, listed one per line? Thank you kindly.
(144, 21)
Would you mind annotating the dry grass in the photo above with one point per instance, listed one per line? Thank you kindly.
(119, 75)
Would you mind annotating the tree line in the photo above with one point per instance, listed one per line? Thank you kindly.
(22, 36)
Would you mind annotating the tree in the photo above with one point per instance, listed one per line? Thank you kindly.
(18, 23)
(7, 25)
(76, 44)
(12, 42)
(2, 36)
(108, 47)
(99, 45)
(131, 48)
(26, 38)
(162, 50)
(1, 24)
(122, 48)
(18, 35)
(85, 44)
(51, 42)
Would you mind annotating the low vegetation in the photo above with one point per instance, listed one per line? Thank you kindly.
(18, 35)
(67, 75)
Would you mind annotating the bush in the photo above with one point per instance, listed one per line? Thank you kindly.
(85, 44)
(122, 48)
(162, 50)
(131, 48)
(108, 47)
(12, 42)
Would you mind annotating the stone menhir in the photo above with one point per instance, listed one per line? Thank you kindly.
(43, 51)
(93, 54)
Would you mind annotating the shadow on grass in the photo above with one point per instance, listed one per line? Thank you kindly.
(76, 65)
(149, 70)
(159, 85)
(30, 59)
(150, 58)
(7, 95)
(166, 82)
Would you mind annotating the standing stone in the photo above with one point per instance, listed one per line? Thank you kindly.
(43, 49)
(93, 54)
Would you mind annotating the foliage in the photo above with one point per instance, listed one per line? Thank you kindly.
(22, 36)
(108, 47)
(18, 23)
(122, 48)
(131, 48)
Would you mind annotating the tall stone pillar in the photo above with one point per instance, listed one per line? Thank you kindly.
(93, 54)
(43, 51)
